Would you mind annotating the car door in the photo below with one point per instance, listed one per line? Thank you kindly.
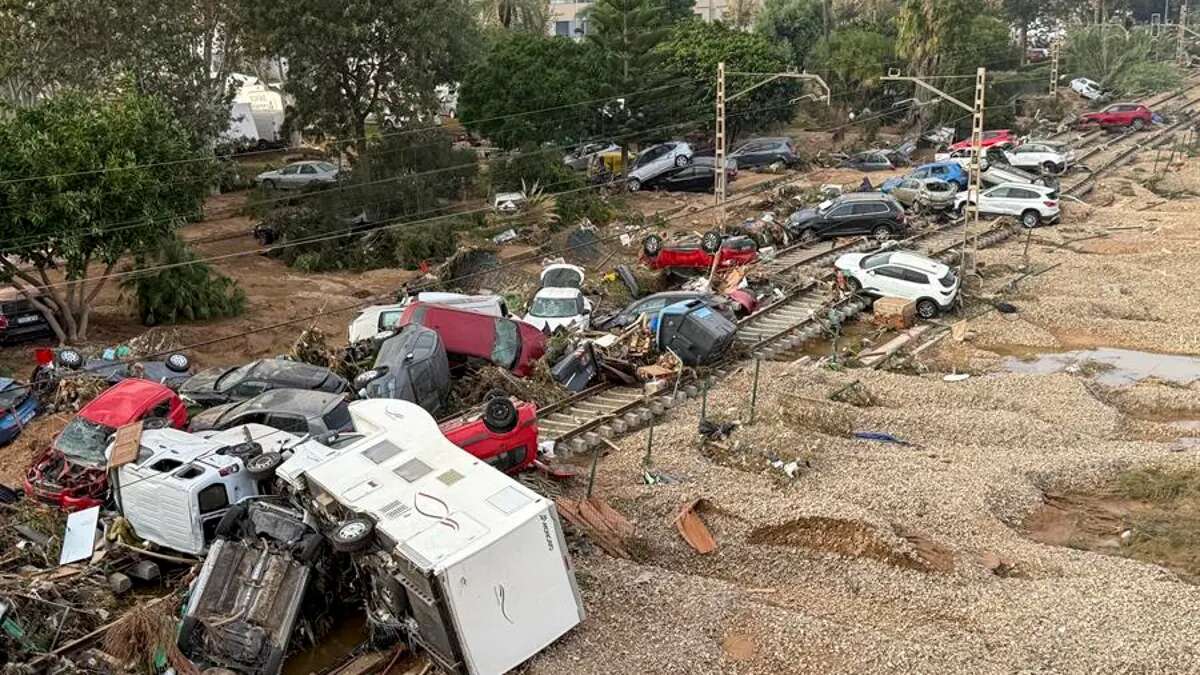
(885, 280)
(289, 175)
(992, 201)
(308, 175)
(1019, 200)
(839, 220)
(906, 191)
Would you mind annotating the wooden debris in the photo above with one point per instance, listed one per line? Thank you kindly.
(692, 528)
(600, 522)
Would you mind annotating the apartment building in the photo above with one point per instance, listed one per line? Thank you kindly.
(569, 18)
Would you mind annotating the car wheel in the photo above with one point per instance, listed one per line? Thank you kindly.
(178, 363)
(230, 523)
(1050, 168)
(496, 392)
(352, 535)
(269, 185)
(927, 309)
(69, 358)
(633, 184)
(243, 451)
(1031, 219)
(500, 415)
(808, 237)
(853, 284)
(652, 245)
(682, 160)
(882, 233)
(1139, 124)
(263, 466)
(710, 242)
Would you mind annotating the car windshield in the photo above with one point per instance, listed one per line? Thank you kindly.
(12, 397)
(507, 347)
(83, 441)
(875, 260)
(554, 308)
(232, 377)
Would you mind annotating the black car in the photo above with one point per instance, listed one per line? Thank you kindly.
(760, 152)
(20, 320)
(695, 178)
(297, 411)
(857, 213)
(215, 386)
(412, 366)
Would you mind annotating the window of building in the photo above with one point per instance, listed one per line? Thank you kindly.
(562, 28)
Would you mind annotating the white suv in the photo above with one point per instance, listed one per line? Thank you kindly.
(1040, 156)
(901, 274)
(1033, 204)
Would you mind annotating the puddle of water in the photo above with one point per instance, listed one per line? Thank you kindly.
(348, 632)
(1113, 367)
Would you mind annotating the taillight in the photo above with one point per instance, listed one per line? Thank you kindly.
(1051, 204)
(3, 322)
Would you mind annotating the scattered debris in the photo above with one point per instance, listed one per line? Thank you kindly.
(692, 528)
(599, 521)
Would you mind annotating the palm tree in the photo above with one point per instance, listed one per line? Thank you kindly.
(531, 16)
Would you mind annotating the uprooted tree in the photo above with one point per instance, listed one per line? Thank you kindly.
(85, 181)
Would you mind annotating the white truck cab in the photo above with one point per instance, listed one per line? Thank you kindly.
(181, 484)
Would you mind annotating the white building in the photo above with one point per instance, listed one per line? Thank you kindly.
(568, 17)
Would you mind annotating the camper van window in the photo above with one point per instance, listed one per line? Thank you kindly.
(213, 498)
(165, 465)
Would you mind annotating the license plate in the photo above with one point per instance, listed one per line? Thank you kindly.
(31, 318)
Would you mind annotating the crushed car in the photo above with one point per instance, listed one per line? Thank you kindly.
(72, 472)
(694, 332)
(383, 318)
(297, 411)
(734, 305)
(216, 386)
(18, 406)
(244, 606)
(657, 160)
(411, 366)
(925, 195)
(731, 251)
(465, 564)
(560, 303)
(508, 343)
(502, 432)
(112, 366)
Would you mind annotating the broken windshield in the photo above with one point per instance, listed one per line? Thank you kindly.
(83, 441)
(554, 308)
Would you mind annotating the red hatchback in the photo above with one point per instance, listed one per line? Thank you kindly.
(504, 434)
(732, 252)
(988, 139)
(72, 473)
(508, 343)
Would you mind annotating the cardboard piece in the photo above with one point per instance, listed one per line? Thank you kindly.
(79, 539)
(126, 443)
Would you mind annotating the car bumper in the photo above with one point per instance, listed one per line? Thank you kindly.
(56, 497)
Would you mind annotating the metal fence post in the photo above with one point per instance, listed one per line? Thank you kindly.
(754, 391)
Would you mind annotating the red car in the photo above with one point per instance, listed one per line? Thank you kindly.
(71, 473)
(1131, 115)
(508, 343)
(989, 138)
(502, 434)
(732, 251)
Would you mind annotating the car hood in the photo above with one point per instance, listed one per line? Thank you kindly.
(210, 418)
(804, 216)
(850, 261)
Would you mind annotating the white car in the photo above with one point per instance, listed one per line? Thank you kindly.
(1033, 204)
(378, 319)
(1089, 89)
(1039, 156)
(656, 161)
(901, 274)
(560, 303)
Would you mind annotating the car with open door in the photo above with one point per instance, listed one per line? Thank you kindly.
(930, 284)
(692, 254)
(560, 302)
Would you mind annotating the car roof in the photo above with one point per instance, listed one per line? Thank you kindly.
(123, 402)
(918, 261)
(291, 400)
(1026, 186)
(865, 197)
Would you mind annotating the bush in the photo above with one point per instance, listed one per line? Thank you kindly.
(554, 179)
(1150, 78)
(186, 292)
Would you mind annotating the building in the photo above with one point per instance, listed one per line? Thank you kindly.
(568, 18)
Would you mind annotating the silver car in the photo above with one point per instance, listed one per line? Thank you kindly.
(581, 158)
(298, 175)
(658, 160)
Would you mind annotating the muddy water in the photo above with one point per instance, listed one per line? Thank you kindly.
(348, 633)
(1113, 367)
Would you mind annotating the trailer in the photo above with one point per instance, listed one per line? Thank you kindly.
(465, 563)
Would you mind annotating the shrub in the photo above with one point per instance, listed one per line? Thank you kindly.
(185, 292)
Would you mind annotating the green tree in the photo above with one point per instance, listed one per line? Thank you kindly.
(88, 180)
(693, 52)
(354, 60)
(531, 72)
(177, 288)
(852, 58)
(929, 30)
(523, 16)
(1116, 58)
(795, 23)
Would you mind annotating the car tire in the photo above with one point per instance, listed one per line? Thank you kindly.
(927, 309)
(652, 245)
(881, 233)
(351, 536)
(853, 285)
(268, 185)
(1049, 168)
(1031, 219)
(260, 467)
(682, 161)
(808, 237)
(495, 392)
(710, 242)
(243, 451)
(178, 362)
(69, 359)
(310, 548)
(633, 184)
(500, 415)
(1138, 124)
(230, 524)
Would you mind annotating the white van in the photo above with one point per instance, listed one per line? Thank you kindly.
(378, 319)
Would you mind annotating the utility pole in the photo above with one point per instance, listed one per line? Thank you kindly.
(976, 110)
(720, 184)
(1054, 68)
(1181, 55)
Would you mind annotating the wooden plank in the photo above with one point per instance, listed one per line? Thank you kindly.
(126, 443)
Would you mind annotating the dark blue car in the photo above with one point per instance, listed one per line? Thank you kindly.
(951, 172)
(18, 406)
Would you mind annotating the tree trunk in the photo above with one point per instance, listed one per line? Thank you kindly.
(1024, 41)
(827, 18)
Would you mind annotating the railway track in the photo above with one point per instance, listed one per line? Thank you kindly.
(583, 420)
